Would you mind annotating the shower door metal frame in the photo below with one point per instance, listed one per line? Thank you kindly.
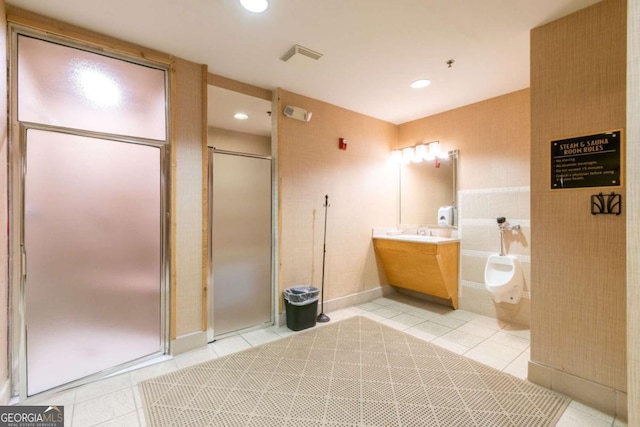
(19, 370)
(17, 356)
(211, 336)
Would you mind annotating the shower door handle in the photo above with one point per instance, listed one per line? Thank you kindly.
(23, 263)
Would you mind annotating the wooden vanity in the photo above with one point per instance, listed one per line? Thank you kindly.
(428, 265)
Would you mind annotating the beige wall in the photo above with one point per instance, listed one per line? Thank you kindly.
(493, 180)
(633, 212)
(361, 183)
(578, 326)
(224, 139)
(188, 124)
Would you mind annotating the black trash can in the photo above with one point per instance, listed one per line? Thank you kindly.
(301, 305)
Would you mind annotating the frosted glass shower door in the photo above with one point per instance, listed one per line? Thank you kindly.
(92, 237)
(240, 242)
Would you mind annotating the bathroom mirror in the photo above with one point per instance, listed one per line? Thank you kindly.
(425, 187)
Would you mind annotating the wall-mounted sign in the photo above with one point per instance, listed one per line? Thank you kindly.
(587, 161)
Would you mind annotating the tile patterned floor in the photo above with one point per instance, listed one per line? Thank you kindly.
(116, 401)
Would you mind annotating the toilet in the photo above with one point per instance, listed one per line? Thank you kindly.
(503, 278)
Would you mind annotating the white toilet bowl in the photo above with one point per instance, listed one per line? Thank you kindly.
(503, 278)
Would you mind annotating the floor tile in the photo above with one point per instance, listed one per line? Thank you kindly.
(382, 301)
(449, 345)
(510, 341)
(282, 331)
(395, 325)
(229, 345)
(462, 338)
(450, 322)
(575, 418)
(401, 307)
(498, 351)
(591, 411)
(194, 357)
(407, 319)
(437, 308)
(127, 420)
(371, 315)
(104, 408)
(520, 366)
(386, 312)
(153, 371)
(345, 313)
(477, 330)
(433, 328)
(102, 387)
(487, 322)
(489, 360)
(518, 330)
(421, 334)
(260, 336)
(462, 315)
(369, 306)
(422, 314)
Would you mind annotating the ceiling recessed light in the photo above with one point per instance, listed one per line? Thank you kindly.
(255, 6)
(240, 116)
(418, 84)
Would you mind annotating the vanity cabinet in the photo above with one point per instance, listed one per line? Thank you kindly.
(427, 267)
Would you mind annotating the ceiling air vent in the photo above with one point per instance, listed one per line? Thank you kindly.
(300, 51)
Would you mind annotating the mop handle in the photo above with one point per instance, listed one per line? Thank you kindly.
(324, 248)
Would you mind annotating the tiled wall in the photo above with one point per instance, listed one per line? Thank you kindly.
(478, 210)
(492, 137)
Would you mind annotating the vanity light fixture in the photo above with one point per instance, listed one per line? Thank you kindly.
(421, 83)
(421, 152)
(396, 156)
(407, 155)
(240, 116)
(435, 152)
(418, 153)
(255, 6)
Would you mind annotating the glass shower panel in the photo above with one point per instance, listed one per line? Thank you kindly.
(73, 88)
(92, 224)
(241, 242)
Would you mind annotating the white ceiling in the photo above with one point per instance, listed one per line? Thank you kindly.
(372, 49)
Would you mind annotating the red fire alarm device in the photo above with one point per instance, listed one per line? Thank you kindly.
(342, 143)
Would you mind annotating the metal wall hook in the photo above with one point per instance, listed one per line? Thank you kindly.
(610, 204)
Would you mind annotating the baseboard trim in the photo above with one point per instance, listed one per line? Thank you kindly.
(595, 395)
(188, 342)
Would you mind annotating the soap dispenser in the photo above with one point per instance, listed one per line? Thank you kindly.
(445, 216)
